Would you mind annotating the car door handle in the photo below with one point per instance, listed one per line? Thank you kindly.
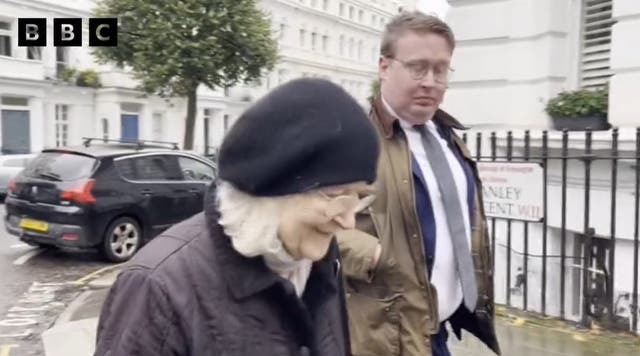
(194, 190)
(146, 192)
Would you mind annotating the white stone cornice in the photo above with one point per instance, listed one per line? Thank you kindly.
(51, 7)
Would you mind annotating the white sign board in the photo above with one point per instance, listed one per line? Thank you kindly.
(512, 190)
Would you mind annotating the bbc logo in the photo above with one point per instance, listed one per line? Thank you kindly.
(67, 32)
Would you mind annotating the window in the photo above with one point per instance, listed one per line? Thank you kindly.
(105, 129)
(361, 16)
(61, 166)
(342, 45)
(62, 125)
(374, 54)
(381, 22)
(314, 3)
(325, 43)
(314, 40)
(282, 76)
(303, 34)
(5, 38)
(283, 28)
(341, 9)
(126, 168)
(157, 126)
(150, 168)
(373, 20)
(34, 53)
(360, 49)
(595, 69)
(195, 170)
(62, 60)
(325, 5)
(351, 47)
(351, 12)
(226, 123)
(14, 101)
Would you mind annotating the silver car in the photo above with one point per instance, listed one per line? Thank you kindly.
(10, 165)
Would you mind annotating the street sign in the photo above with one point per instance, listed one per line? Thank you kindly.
(512, 190)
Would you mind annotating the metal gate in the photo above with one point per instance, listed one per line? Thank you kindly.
(546, 271)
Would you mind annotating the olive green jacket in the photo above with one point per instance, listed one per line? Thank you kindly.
(393, 308)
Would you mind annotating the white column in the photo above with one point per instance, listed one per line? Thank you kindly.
(37, 126)
(508, 66)
(625, 64)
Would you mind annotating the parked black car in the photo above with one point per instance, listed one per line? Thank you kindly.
(111, 196)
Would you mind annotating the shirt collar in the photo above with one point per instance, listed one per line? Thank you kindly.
(403, 123)
(387, 118)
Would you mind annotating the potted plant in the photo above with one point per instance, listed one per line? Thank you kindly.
(67, 75)
(580, 109)
(88, 78)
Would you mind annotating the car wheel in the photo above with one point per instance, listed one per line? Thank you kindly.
(121, 240)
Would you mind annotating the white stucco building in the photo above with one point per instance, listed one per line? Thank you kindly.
(333, 39)
(512, 56)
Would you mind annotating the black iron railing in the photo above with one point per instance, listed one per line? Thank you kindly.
(598, 272)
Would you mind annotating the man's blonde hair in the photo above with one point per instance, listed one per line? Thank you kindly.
(414, 21)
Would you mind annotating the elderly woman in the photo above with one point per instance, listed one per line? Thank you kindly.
(258, 272)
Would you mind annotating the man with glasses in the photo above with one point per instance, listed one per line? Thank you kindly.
(420, 258)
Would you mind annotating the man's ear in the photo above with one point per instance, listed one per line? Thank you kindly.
(383, 67)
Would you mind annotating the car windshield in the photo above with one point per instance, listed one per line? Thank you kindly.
(60, 166)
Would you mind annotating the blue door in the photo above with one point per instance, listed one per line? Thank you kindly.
(129, 127)
(15, 132)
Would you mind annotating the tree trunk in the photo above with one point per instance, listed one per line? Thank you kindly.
(190, 123)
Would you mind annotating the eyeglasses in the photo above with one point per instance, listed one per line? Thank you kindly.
(346, 203)
(419, 69)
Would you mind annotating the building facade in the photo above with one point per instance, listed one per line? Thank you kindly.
(333, 39)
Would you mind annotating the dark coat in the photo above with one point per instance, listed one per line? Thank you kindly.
(188, 292)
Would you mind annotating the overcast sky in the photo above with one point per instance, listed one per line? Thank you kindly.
(438, 6)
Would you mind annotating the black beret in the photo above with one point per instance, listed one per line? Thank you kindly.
(305, 134)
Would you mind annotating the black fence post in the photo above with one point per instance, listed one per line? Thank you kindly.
(588, 232)
(478, 146)
(636, 241)
(545, 161)
(509, 158)
(525, 267)
(612, 248)
(493, 220)
(586, 278)
(563, 226)
(545, 154)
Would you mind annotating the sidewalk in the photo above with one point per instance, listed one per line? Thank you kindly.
(524, 334)
(74, 332)
(519, 333)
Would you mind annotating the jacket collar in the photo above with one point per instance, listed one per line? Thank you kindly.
(246, 277)
(389, 123)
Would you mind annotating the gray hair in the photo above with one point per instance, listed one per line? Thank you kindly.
(251, 222)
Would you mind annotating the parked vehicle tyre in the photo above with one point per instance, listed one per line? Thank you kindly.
(122, 239)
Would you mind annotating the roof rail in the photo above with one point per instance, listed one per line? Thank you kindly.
(140, 144)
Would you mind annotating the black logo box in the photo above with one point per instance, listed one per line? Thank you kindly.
(67, 32)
